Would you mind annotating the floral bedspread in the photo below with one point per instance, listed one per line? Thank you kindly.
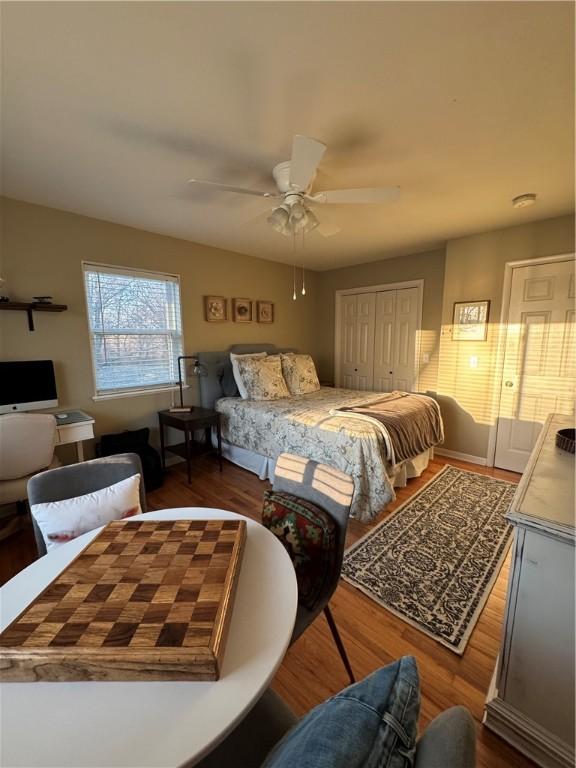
(304, 426)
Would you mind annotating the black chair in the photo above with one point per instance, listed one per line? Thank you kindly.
(79, 479)
(332, 490)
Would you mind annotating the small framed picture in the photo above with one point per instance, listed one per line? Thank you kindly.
(242, 310)
(215, 309)
(265, 311)
(470, 322)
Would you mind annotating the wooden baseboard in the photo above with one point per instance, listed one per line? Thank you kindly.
(481, 460)
(541, 746)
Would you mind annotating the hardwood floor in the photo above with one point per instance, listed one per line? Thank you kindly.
(312, 670)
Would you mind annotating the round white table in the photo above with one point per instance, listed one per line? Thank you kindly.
(151, 724)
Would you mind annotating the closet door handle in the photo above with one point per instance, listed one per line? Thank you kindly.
(355, 370)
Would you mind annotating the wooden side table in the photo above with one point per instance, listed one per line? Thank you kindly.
(189, 422)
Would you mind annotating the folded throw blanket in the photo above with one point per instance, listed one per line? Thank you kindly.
(412, 422)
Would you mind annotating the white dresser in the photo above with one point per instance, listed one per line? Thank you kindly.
(531, 700)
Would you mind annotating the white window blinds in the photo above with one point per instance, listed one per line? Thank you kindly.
(135, 328)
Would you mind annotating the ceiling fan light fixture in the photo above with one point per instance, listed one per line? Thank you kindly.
(297, 212)
(279, 219)
(311, 222)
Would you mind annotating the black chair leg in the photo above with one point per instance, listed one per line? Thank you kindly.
(339, 643)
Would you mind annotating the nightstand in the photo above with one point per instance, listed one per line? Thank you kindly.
(189, 422)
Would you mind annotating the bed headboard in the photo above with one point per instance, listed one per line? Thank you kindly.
(217, 379)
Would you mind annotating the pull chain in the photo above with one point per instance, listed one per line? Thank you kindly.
(294, 284)
(303, 282)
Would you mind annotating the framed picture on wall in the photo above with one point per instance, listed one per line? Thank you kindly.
(242, 310)
(215, 309)
(470, 321)
(265, 311)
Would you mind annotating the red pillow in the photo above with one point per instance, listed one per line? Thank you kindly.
(308, 534)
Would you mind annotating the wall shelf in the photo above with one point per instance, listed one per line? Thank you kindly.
(30, 307)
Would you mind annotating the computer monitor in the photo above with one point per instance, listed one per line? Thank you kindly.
(27, 385)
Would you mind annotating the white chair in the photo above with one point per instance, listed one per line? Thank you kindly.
(26, 447)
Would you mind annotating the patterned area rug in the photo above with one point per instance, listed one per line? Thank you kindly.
(434, 561)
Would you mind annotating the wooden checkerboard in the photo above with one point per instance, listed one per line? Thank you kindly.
(146, 600)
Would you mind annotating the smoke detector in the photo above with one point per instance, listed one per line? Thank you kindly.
(524, 201)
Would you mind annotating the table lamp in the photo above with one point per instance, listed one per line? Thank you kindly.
(197, 370)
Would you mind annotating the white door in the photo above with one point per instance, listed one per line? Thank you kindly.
(357, 341)
(539, 373)
(395, 340)
(384, 338)
(406, 326)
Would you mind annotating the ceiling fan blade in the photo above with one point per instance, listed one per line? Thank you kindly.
(256, 218)
(327, 230)
(363, 195)
(228, 188)
(306, 154)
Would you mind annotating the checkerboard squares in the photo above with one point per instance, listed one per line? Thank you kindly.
(166, 593)
(145, 586)
(95, 634)
(43, 634)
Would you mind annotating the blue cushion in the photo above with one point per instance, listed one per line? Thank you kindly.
(369, 724)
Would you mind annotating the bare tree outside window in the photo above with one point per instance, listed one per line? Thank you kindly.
(135, 327)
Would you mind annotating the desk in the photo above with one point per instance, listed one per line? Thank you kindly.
(76, 725)
(76, 427)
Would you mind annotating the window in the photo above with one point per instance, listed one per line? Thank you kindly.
(135, 328)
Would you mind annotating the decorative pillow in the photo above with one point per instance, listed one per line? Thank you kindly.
(236, 372)
(61, 521)
(300, 374)
(228, 382)
(308, 534)
(263, 379)
(371, 723)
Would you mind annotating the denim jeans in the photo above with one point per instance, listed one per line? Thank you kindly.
(372, 724)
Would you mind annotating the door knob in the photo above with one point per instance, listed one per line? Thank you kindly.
(355, 370)
(509, 384)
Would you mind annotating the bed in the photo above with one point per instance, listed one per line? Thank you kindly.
(256, 432)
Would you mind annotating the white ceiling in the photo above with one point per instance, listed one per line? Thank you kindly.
(108, 108)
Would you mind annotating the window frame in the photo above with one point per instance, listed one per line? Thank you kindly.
(127, 271)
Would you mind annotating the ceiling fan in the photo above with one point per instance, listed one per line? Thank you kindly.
(294, 179)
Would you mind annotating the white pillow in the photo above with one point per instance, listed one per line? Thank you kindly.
(61, 521)
(237, 376)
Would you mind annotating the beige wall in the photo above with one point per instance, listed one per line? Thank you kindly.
(42, 250)
(474, 271)
(471, 268)
(41, 253)
(427, 266)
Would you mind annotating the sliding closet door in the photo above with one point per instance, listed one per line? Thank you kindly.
(384, 341)
(357, 341)
(395, 340)
(378, 340)
(405, 329)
